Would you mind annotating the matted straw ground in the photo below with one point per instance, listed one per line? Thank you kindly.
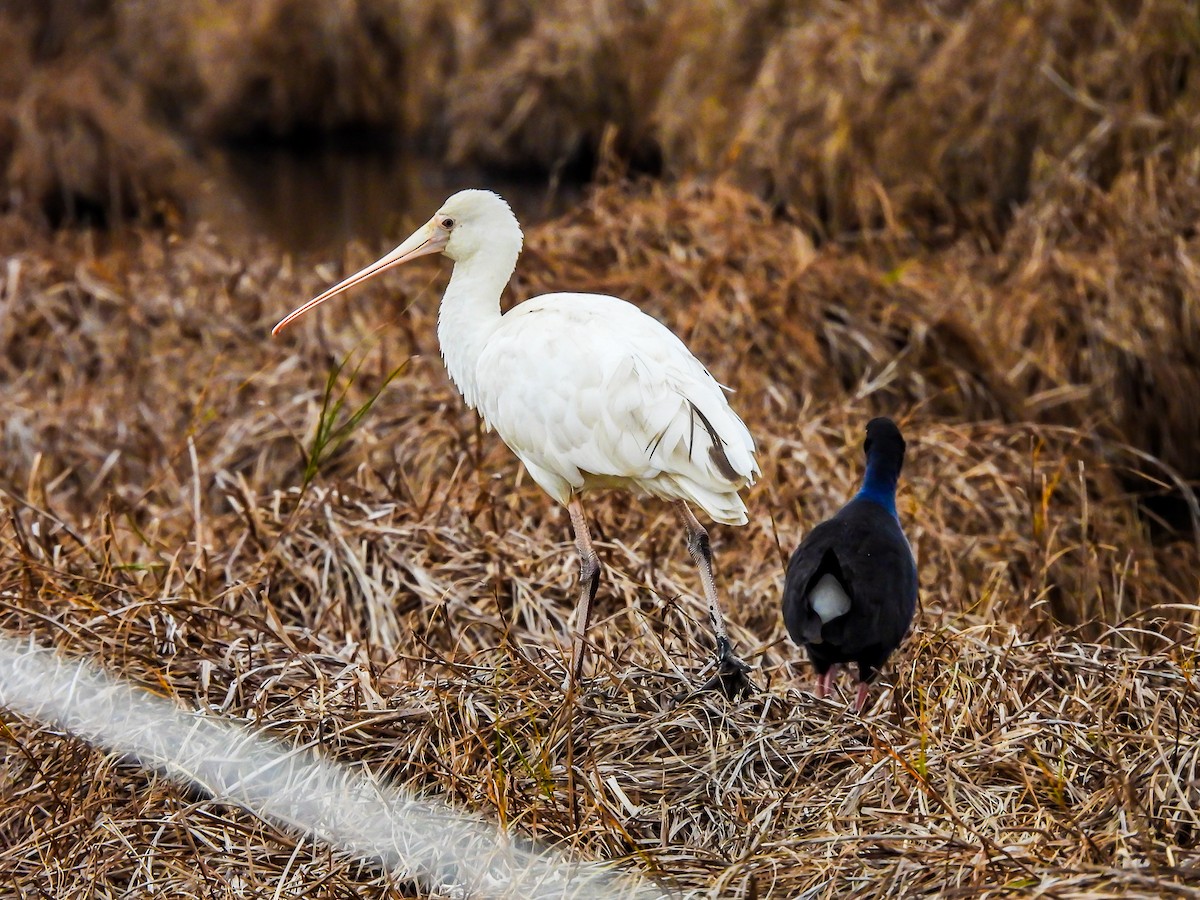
(404, 608)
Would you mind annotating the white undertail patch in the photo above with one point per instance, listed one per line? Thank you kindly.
(829, 599)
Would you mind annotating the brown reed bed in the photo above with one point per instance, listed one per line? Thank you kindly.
(919, 120)
(977, 218)
(400, 601)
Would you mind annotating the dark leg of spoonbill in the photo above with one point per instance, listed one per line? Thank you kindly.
(589, 580)
(732, 676)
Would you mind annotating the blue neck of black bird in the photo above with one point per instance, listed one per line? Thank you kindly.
(879, 482)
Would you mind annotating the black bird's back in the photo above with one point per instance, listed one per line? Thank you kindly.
(864, 548)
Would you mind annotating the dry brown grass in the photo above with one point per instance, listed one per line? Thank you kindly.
(405, 611)
(977, 218)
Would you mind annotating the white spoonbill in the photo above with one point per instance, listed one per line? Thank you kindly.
(587, 390)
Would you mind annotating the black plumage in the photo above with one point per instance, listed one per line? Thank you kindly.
(851, 587)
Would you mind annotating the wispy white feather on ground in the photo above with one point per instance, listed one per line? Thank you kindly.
(451, 853)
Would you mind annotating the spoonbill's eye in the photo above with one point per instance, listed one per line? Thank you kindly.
(447, 223)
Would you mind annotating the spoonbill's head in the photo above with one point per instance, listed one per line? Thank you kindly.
(471, 223)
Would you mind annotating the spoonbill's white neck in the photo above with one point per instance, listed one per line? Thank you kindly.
(470, 310)
(478, 231)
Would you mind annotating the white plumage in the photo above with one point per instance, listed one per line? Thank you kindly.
(587, 390)
(590, 392)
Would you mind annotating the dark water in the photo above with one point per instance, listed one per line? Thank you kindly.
(312, 202)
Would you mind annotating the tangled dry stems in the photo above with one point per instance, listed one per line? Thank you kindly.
(1010, 272)
(406, 610)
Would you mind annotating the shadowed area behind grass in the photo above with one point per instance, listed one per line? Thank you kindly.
(920, 120)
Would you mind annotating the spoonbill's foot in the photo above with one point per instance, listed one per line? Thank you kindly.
(732, 677)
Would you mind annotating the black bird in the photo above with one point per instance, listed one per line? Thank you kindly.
(851, 587)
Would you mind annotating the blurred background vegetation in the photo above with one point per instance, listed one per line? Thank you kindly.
(922, 120)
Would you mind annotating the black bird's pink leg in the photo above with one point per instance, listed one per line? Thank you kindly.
(860, 699)
(825, 682)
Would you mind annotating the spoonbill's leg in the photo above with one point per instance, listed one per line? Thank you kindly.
(731, 675)
(589, 580)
